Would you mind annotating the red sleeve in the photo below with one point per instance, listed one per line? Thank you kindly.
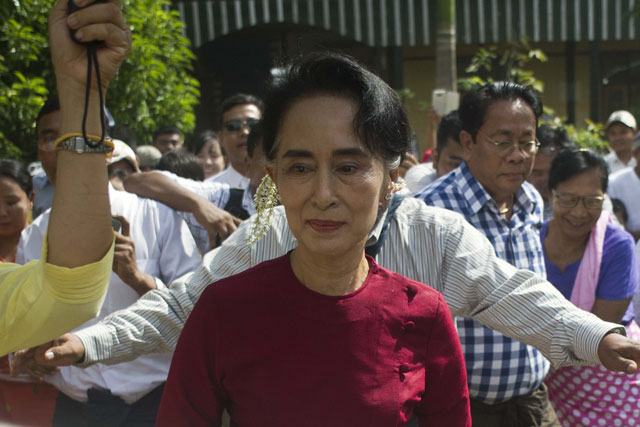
(446, 398)
(191, 396)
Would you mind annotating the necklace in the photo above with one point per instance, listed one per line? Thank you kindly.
(507, 209)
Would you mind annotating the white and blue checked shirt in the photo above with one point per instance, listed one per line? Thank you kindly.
(498, 368)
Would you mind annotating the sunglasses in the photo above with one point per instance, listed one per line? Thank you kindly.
(237, 125)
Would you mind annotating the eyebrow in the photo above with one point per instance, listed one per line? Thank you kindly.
(336, 153)
(45, 131)
(507, 132)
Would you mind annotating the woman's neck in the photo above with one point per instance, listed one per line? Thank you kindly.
(9, 247)
(563, 250)
(330, 275)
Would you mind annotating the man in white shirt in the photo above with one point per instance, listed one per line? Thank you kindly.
(240, 112)
(201, 203)
(625, 186)
(154, 243)
(620, 129)
(446, 157)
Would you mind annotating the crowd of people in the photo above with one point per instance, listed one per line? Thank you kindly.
(289, 268)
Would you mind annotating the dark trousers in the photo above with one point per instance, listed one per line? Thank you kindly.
(533, 409)
(106, 410)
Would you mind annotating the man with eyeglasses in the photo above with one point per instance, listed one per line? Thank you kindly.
(499, 122)
(240, 113)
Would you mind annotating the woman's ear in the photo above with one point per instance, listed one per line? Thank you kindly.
(271, 172)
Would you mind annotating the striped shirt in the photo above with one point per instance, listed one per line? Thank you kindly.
(498, 368)
(430, 245)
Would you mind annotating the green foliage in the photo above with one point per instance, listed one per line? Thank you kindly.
(490, 64)
(153, 87)
(587, 137)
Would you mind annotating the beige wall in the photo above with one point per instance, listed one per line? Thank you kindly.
(419, 77)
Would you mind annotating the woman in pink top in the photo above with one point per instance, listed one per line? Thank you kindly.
(592, 263)
(323, 336)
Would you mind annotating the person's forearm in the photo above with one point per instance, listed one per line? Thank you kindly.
(80, 226)
(155, 321)
(161, 188)
(142, 283)
(516, 303)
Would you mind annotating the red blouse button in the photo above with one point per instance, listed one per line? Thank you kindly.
(408, 326)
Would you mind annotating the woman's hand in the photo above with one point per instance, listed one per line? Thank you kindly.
(100, 21)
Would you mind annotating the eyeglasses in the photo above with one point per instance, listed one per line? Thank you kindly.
(504, 148)
(237, 125)
(569, 201)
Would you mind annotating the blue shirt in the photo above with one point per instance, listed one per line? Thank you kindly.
(498, 368)
(618, 278)
(43, 189)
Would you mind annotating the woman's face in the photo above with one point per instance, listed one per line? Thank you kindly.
(14, 208)
(211, 158)
(330, 185)
(578, 221)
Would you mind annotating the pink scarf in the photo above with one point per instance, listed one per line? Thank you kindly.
(584, 288)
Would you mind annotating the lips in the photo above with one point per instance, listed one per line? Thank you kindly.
(514, 175)
(323, 226)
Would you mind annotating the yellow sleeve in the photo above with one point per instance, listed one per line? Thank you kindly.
(40, 301)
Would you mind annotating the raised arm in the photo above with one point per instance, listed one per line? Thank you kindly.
(80, 225)
(41, 300)
(160, 187)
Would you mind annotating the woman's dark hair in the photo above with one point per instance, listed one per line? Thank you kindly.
(181, 163)
(18, 172)
(475, 104)
(380, 123)
(569, 163)
(196, 144)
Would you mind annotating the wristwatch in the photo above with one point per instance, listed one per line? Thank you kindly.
(78, 145)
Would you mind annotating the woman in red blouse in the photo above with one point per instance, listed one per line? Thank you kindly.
(323, 335)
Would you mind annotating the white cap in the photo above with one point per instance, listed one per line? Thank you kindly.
(624, 117)
(121, 151)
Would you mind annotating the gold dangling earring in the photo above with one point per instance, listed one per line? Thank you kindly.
(265, 199)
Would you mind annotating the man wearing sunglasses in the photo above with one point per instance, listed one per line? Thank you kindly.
(240, 113)
(498, 137)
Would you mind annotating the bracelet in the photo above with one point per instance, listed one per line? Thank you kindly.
(71, 135)
(108, 142)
